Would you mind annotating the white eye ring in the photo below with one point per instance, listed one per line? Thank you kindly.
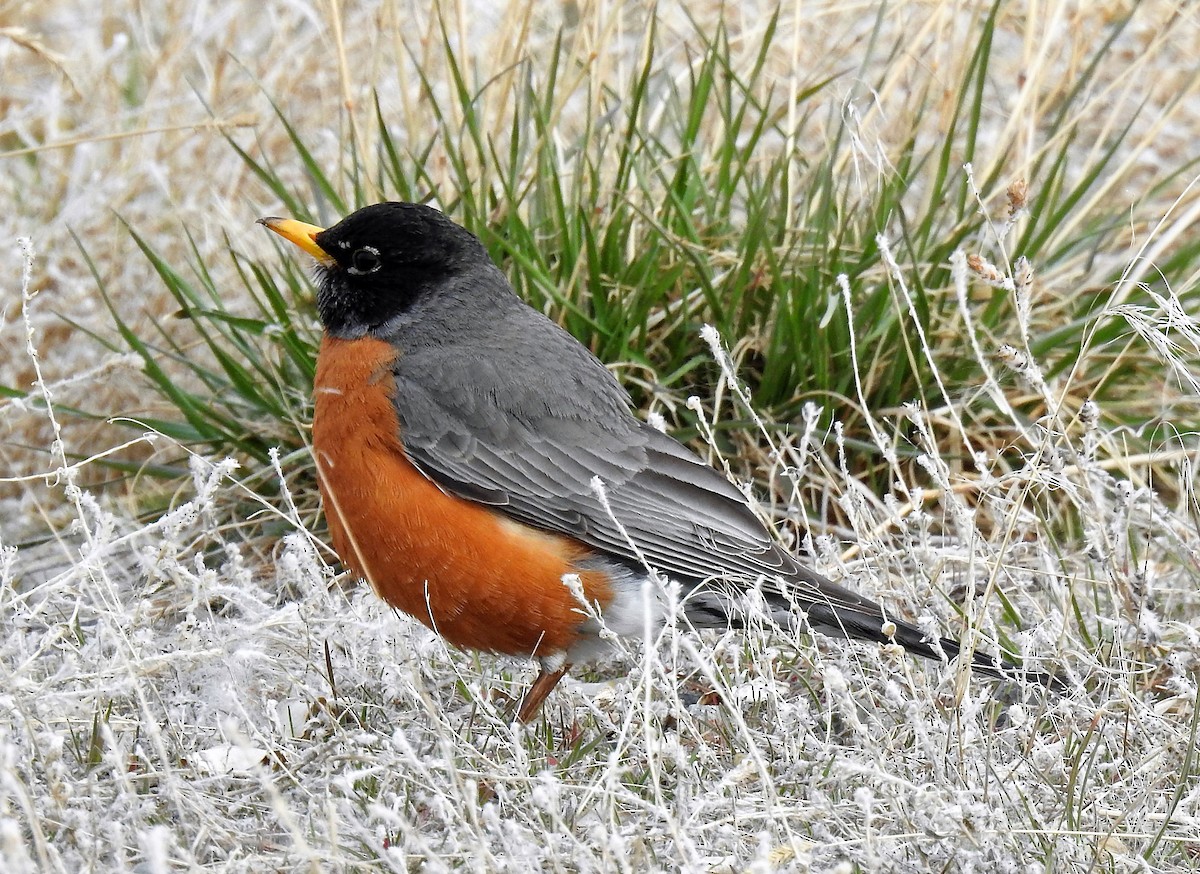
(364, 260)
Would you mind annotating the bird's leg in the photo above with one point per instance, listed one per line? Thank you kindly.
(531, 702)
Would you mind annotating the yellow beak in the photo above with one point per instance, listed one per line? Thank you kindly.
(303, 235)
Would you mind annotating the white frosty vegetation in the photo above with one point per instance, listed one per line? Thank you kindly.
(170, 702)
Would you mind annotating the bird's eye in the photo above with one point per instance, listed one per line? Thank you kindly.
(365, 260)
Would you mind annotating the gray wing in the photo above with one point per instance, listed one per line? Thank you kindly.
(527, 433)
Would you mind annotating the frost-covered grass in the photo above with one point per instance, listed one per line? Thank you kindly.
(953, 259)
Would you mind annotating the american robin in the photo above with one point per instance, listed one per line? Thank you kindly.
(480, 468)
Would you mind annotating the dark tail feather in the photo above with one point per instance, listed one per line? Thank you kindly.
(839, 612)
(856, 624)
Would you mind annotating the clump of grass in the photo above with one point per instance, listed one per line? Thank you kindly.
(704, 194)
(246, 368)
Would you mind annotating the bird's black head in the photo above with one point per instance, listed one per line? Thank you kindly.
(373, 265)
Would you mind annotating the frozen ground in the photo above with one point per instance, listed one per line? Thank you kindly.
(173, 699)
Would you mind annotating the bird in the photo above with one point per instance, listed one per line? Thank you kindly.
(486, 474)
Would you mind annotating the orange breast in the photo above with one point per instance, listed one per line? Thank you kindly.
(476, 577)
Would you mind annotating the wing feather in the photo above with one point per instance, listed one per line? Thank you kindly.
(479, 432)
